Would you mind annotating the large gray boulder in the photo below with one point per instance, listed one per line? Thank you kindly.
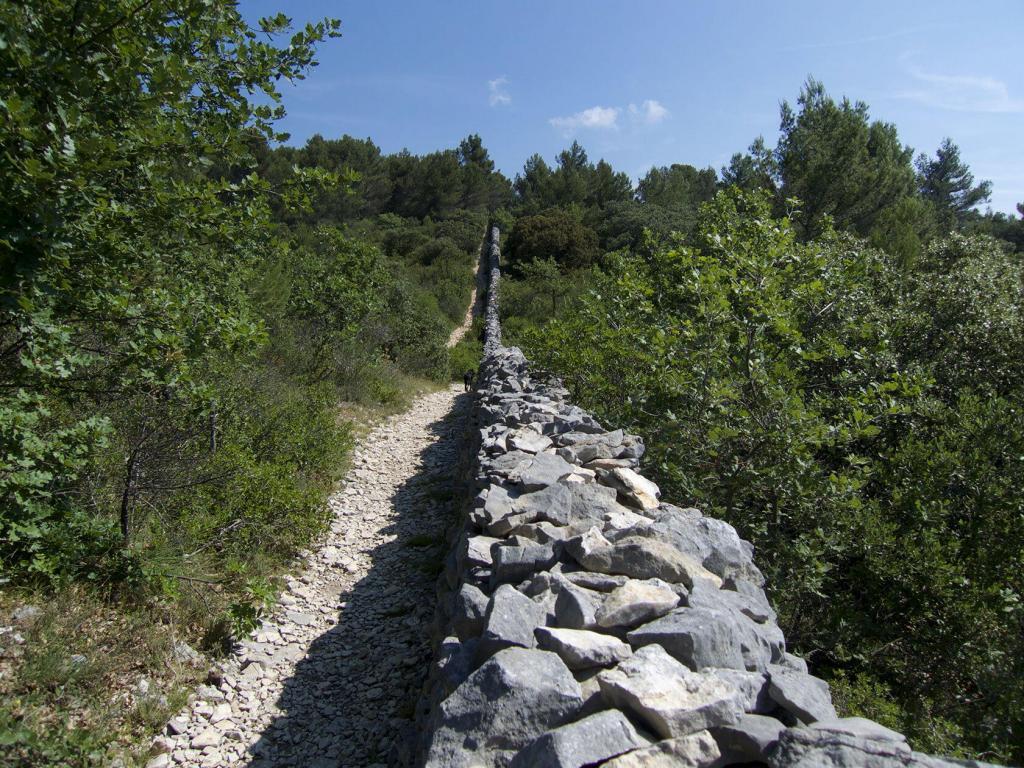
(637, 557)
(576, 607)
(552, 504)
(546, 533)
(510, 621)
(698, 637)
(454, 663)
(475, 552)
(634, 489)
(503, 526)
(712, 543)
(585, 742)
(601, 582)
(802, 695)
(514, 564)
(751, 602)
(469, 612)
(591, 501)
(756, 603)
(583, 438)
(643, 558)
(582, 649)
(753, 688)
(540, 471)
(749, 739)
(504, 464)
(636, 602)
(671, 699)
(819, 748)
(581, 453)
(512, 699)
(591, 550)
(622, 521)
(496, 506)
(527, 440)
(860, 727)
(707, 637)
(698, 750)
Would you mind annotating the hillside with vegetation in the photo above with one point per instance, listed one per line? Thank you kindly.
(193, 327)
(822, 344)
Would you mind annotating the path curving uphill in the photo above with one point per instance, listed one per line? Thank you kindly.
(474, 304)
(332, 677)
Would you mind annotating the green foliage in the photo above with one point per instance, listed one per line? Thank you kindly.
(125, 255)
(948, 184)
(961, 314)
(678, 186)
(904, 229)
(555, 234)
(838, 163)
(1007, 229)
(860, 420)
(541, 293)
(55, 703)
(245, 615)
(449, 183)
(758, 169)
(629, 225)
(466, 355)
(575, 181)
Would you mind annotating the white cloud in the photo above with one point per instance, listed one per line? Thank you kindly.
(962, 93)
(605, 118)
(650, 112)
(497, 94)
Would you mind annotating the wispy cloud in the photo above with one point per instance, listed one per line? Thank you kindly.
(604, 118)
(961, 93)
(497, 92)
(857, 40)
(649, 112)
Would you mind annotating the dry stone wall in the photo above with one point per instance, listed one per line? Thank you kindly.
(584, 621)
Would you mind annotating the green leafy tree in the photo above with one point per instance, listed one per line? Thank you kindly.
(543, 278)
(555, 234)
(904, 229)
(606, 185)
(948, 184)
(757, 169)
(124, 258)
(574, 181)
(533, 187)
(1008, 229)
(857, 418)
(628, 224)
(482, 186)
(838, 163)
(678, 186)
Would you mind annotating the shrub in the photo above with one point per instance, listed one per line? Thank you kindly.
(862, 427)
(554, 234)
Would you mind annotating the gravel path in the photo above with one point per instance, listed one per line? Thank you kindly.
(332, 678)
(473, 310)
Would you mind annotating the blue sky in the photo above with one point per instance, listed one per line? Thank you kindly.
(652, 82)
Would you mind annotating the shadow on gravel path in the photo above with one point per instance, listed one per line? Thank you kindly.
(355, 691)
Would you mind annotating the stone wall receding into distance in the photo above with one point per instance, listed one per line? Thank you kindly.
(583, 621)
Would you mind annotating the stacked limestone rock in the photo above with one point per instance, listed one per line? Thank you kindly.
(586, 622)
(492, 325)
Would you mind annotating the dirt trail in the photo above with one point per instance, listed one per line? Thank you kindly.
(475, 307)
(331, 678)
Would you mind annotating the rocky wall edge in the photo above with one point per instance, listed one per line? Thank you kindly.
(584, 621)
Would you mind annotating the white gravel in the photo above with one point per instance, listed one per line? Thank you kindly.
(331, 678)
